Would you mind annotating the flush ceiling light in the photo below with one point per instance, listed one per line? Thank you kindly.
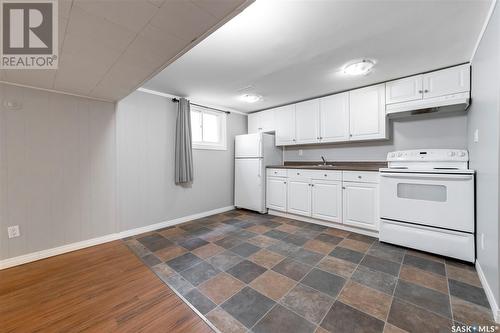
(250, 98)
(358, 67)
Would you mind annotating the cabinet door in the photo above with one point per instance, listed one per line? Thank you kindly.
(267, 120)
(367, 113)
(334, 118)
(361, 205)
(307, 121)
(299, 197)
(276, 193)
(447, 81)
(327, 200)
(285, 125)
(254, 122)
(404, 90)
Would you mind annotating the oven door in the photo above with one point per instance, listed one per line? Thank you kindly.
(436, 200)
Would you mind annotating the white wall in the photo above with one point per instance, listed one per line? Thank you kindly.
(57, 170)
(416, 132)
(145, 138)
(484, 155)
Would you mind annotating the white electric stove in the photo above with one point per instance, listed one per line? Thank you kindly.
(427, 202)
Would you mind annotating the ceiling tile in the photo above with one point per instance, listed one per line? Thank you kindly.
(109, 47)
(183, 19)
(92, 31)
(130, 14)
(155, 46)
(63, 24)
(157, 3)
(79, 73)
(43, 78)
(218, 8)
(125, 75)
(64, 8)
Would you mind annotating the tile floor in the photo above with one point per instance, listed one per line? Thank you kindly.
(261, 273)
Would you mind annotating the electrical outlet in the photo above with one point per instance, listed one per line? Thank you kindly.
(13, 231)
(482, 241)
(476, 135)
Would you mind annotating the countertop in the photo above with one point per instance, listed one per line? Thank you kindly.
(340, 165)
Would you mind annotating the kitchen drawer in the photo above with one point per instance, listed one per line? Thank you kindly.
(327, 175)
(277, 172)
(448, 243)
(360, 176)
(300, 174)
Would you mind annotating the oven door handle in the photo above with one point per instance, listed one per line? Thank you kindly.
(425, 176)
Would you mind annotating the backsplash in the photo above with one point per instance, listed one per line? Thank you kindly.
(446, 131)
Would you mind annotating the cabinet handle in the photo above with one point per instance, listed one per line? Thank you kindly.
(343, 187)
(420, 91)
(293, 139)
(317, 138)
(350, 135)
(426, 91)
(284, 182)
(326, 175)
(298, 173)
(321, 138)
(359, 177)
(312, 185)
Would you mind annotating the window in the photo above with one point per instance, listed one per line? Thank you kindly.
(208, 128)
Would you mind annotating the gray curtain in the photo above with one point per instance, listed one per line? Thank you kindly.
(183, 145)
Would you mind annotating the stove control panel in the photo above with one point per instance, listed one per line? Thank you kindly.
(429, 155)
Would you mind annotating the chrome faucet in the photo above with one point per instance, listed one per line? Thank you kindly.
(324, 160)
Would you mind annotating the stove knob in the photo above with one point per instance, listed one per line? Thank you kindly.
(451, 153)
(400, 154)
(462, 154)
(392, 155)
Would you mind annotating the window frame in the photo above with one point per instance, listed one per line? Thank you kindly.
(205, 145)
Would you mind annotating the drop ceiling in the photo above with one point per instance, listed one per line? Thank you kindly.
(293, 50)
(108, 48)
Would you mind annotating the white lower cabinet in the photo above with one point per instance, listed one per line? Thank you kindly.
(327, 200)
(276, 189)
(361, 205)
(347, 197)
(299, 197)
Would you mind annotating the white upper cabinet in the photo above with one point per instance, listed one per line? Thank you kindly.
(285, 125)
(262, 121)
(253, 122)
(334, 118)
(367, 113)
(307, 122)
(404, 90)
(447, 81)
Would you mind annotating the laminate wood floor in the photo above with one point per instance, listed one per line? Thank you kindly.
(103, 288)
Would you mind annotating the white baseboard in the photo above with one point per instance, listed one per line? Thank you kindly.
(325, 223)
(26, 258)
(489, 293)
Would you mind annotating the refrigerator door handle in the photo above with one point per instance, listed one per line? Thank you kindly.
(260, 168)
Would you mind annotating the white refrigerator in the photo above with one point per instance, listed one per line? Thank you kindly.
(253, 152)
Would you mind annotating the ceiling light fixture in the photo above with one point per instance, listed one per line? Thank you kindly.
(358, 67)
(250, 98)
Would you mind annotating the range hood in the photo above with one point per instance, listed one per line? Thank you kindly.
(447, 103)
